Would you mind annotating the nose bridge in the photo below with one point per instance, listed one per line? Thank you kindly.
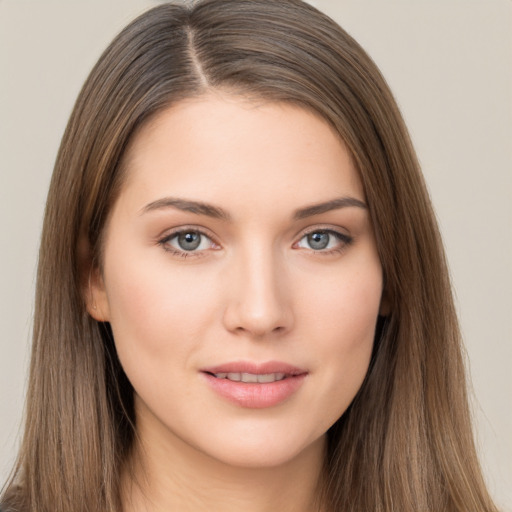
(258, 302)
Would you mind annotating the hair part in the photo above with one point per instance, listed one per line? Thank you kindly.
(405, 443)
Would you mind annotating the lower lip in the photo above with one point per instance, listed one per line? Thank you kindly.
(256, 395)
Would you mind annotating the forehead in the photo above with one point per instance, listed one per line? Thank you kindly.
(226, 147)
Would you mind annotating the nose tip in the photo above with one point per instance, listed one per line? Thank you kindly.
(258, 304)
(256, 322)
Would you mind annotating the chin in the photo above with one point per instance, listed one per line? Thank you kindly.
(269, 451)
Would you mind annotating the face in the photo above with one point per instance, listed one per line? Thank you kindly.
(240, 278)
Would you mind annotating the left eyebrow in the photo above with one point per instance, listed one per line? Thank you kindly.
(333, 204)
(197, 207)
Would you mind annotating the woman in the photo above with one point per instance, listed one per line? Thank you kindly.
(240, 284)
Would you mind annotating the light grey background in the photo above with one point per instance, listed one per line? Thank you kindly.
(449, 65)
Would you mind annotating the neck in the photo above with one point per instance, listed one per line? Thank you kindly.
(165, 476)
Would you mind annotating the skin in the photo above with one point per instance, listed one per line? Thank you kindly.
(254, 290)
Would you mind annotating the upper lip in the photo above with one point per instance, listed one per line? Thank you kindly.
(255, 368)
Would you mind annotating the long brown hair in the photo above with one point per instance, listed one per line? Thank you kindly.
(405, 443)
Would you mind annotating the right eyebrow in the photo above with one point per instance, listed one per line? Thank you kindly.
(333, 204)
(187, 205)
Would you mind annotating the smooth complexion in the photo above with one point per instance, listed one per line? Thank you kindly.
(240, 244)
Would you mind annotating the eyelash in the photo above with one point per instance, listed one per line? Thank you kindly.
(164, 242)
(343, 239)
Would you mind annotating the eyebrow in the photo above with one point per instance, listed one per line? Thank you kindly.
(186, 205)
(209, 210)
(333, 204)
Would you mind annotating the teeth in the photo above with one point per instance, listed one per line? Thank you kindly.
(270, 377)
(251, 377)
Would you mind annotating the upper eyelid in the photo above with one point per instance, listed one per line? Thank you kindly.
(342, 237)
(326, 228)
(172, 232)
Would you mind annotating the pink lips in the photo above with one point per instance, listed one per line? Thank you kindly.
(276, 382)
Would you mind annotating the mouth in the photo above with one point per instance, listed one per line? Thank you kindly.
(251, 378)
(255, 386)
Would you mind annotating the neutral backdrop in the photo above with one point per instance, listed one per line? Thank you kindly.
(449, 64)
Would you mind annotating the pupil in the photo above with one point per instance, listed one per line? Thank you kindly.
(318, 240)
(189, 241)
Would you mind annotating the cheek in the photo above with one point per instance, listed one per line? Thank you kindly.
(344, 308)
(342, 319)
(156, 315)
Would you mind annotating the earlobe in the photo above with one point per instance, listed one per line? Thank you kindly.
(96, 297)
(92, 283)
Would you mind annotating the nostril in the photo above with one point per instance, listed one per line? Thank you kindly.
(257, 303)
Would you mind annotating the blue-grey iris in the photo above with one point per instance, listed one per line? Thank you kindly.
(318, 240)
(189, 241)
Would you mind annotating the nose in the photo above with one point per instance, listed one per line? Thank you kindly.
(258, 303)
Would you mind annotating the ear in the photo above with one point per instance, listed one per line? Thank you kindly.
(96, 298)
(92, 283)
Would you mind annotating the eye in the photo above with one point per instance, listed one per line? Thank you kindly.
(187, 241)
(324, 240)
